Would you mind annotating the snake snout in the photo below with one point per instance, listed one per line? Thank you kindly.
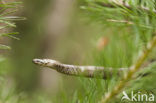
(38, 61)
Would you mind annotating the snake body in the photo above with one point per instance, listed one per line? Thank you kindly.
(87, 71)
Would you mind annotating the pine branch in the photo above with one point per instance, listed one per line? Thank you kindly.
(129, 75)
(123, 5)
(86, 71)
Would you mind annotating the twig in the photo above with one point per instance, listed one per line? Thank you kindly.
(115, 5)
(120, 21)
(86, 71)
(129, 75)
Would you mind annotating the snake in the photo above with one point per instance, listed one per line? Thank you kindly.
(76, 70)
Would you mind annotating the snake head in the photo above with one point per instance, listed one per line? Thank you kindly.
(45, 62)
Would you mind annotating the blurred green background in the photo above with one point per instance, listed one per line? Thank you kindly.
(53, 29)
(72, 32)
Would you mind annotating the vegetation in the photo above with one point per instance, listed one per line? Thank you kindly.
(120, 34)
